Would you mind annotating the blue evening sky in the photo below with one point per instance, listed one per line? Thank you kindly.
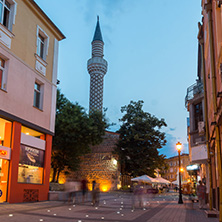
(151, 49)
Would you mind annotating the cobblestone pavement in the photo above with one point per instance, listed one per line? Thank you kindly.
(113, 207)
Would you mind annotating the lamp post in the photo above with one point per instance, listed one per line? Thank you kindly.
(179, 146)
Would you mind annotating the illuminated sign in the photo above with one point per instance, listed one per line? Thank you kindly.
(31, 156)
(193, 167)
(3, 152)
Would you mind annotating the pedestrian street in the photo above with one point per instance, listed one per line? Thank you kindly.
(113, 207)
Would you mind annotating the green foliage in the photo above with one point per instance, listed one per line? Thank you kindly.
(75, 131)
(140, 139)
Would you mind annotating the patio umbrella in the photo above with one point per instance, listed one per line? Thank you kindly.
(176, 182)
(162, 180)
(144, 178)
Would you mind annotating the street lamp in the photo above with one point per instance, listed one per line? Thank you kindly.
(179, 146)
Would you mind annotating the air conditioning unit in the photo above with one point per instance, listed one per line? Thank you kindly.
(201, 128)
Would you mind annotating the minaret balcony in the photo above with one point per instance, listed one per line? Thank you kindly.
(97, 64)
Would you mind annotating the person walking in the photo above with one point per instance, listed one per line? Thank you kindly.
(201, 193)
(94, 192)
(84, 189)
(68, 190)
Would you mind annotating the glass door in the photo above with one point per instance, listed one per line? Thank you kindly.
(4, 164)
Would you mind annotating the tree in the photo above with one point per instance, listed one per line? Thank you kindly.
(75, 131)
(139, 141)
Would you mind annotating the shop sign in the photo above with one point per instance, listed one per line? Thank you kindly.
(31, 156)
(1, 193)
(193, 167)
(5, 152)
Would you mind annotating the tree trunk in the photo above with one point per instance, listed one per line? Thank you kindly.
(54, 175)
(57, 178)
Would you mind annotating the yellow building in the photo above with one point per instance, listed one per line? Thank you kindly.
(28, 76)
(171, 173)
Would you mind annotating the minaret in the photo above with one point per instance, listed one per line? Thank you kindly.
(97, 68)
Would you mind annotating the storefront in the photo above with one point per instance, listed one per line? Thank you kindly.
(25, 156)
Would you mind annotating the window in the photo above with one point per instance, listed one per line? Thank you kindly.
(198, 114)
(40, 46)
(42, 43)
(31, 162)
(5, 133)
(2, 71)
(7, 13)
(38, 95)
(3, 74)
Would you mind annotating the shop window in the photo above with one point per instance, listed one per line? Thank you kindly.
(31, 162)
(38, 95)
(7, 13)
(31, 132)
(5, 132)
(42, 43)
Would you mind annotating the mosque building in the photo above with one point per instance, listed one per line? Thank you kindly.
(101, 164)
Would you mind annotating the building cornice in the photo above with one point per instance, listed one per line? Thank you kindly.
(42, 15)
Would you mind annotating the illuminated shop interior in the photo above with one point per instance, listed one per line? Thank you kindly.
(31, 132)
(5, 141)
(5, 132)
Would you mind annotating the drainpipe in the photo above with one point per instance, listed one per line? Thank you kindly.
(208, 7)
(201, 42)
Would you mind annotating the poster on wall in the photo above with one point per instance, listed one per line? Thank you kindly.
(31, 156)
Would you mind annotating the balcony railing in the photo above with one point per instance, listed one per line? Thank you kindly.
(193, 90)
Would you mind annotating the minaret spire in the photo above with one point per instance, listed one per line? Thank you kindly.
(97, 68)
(98, 34)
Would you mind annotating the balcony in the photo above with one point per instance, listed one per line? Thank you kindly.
(193, 91)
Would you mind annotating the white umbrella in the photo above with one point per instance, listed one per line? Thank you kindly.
(144, 178)
(162, 180)
(176, 182)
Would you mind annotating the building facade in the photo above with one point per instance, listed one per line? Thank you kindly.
(171, 173)
(194, 102)
(28, 76)
(209, 63)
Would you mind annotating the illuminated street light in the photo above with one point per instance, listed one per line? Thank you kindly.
(181, 169)
(179, 147)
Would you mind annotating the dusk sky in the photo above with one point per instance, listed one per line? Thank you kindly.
(151, 50)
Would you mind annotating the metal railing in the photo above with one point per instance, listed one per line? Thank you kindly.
(194, 90)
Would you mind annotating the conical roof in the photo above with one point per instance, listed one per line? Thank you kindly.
(98, 34)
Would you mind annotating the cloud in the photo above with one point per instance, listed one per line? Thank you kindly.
(170, 148)
(108, 8)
